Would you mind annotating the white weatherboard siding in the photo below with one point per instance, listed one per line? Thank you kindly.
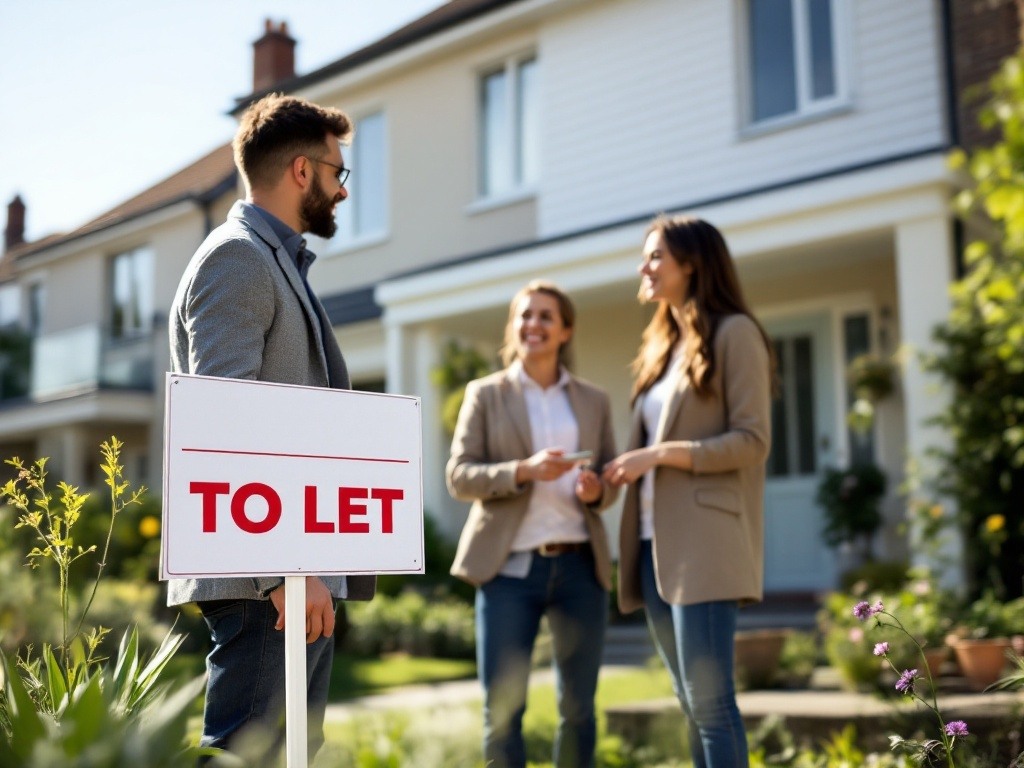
(641, 106)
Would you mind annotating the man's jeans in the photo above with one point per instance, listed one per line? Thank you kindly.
(508, 614)
(246, 670)
(696, 643)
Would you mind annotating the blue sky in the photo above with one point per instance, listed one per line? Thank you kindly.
(102, 98)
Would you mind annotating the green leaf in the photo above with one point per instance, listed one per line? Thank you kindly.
(27, 727)
(56, 683)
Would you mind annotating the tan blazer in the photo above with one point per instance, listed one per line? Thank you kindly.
(708, 522)
(492, 435)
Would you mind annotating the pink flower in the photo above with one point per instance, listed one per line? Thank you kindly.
(881, 649)
(956, 728)
(856, 634)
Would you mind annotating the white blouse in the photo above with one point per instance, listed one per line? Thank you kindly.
(651, 406)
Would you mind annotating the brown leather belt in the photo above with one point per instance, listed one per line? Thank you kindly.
(554, 549)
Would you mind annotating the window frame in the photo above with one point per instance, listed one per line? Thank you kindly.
(807, 107)
(145, 319)
(523, 185)
(347, 238)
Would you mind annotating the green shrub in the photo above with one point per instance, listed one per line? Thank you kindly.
(61, 705)
(409, 623)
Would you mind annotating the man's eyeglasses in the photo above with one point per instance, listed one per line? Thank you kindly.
(341, 172)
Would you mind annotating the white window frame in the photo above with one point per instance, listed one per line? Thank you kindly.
(520, 188)
(347, 238)
(143, 324)
(807, 107)
(35, 323)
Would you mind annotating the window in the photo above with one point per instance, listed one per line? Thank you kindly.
(35, 306)
(10, 305)
(509, 128)
(364, 214)
(793, 57)
(131, 293)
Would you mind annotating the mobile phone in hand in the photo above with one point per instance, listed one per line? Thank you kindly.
(578, 457)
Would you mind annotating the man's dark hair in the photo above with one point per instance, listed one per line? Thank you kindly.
(276, 129)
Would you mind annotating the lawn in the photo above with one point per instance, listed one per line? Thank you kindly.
(353, 676)
(449, 736)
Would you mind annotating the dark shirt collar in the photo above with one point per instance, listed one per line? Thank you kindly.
(293, 242)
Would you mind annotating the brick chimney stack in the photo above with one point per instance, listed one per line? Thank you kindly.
(273, 58)
(15, 232)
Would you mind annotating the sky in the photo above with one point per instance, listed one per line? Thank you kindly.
(100, 99)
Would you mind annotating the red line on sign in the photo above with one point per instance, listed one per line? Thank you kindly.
(294, 455)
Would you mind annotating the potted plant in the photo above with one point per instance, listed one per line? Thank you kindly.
(982, 637)
(850, 499)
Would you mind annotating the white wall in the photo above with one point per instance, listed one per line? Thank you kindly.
(641, 108)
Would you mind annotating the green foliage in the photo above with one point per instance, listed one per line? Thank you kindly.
(435, 581)
(64, 706)
(411, 624)
(459, 366)
(850, 500)
(875, 575)
(15, 362)
(979, 347)
(988, 616)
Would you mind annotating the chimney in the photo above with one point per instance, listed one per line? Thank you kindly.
(273, 58)
(15, 232)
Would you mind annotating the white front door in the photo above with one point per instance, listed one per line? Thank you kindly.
(803, 444)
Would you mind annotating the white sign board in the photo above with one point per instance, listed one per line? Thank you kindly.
(265, 479)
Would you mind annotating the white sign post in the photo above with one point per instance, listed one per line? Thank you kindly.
(265, 479)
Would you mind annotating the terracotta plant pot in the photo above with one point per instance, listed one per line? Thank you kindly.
(757, 656)
(981, 661)
(935, 658)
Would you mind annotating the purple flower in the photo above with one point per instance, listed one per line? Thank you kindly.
(863, 611)
(956, 728)
(881, 649)
(906, 682)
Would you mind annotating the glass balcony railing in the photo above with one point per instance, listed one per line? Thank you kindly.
(82, 358)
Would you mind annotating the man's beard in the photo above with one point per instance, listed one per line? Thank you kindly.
(317, 212)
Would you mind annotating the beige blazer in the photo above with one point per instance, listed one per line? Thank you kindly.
(708, 522)
(492, 435)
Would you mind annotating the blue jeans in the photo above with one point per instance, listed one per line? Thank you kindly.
(246, 669)
(696, 643)
(508, 614)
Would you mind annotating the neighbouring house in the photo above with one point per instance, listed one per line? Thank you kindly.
(499, 141)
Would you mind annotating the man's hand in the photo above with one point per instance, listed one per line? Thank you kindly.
(319, 609)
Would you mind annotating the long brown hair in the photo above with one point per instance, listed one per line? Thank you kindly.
(510, 347)
(714, 294)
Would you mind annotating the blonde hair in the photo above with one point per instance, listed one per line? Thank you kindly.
(715, 293)
(510, 347)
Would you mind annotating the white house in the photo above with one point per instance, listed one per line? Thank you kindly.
(499, 141)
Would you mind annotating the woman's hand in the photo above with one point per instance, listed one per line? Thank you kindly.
(588, 487)
(544, 465)
(628, 467)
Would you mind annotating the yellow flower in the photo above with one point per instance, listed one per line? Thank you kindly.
(995, 523)
(149, 527)
(935, 511)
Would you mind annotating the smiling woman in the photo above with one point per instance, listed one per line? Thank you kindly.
(535, 544)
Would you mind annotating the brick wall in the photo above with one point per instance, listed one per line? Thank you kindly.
(984, 33)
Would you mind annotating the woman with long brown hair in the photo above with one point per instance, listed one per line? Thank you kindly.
(692, 533)
(534, 544)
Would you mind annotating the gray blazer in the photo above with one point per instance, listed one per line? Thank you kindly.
(242, 311)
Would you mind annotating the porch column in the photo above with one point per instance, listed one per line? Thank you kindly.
(412, 353)
(924, 271)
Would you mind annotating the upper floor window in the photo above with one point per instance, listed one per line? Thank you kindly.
(793, 57)
(131, 293)
(509, 128)
(364, 213)
(35, 306)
